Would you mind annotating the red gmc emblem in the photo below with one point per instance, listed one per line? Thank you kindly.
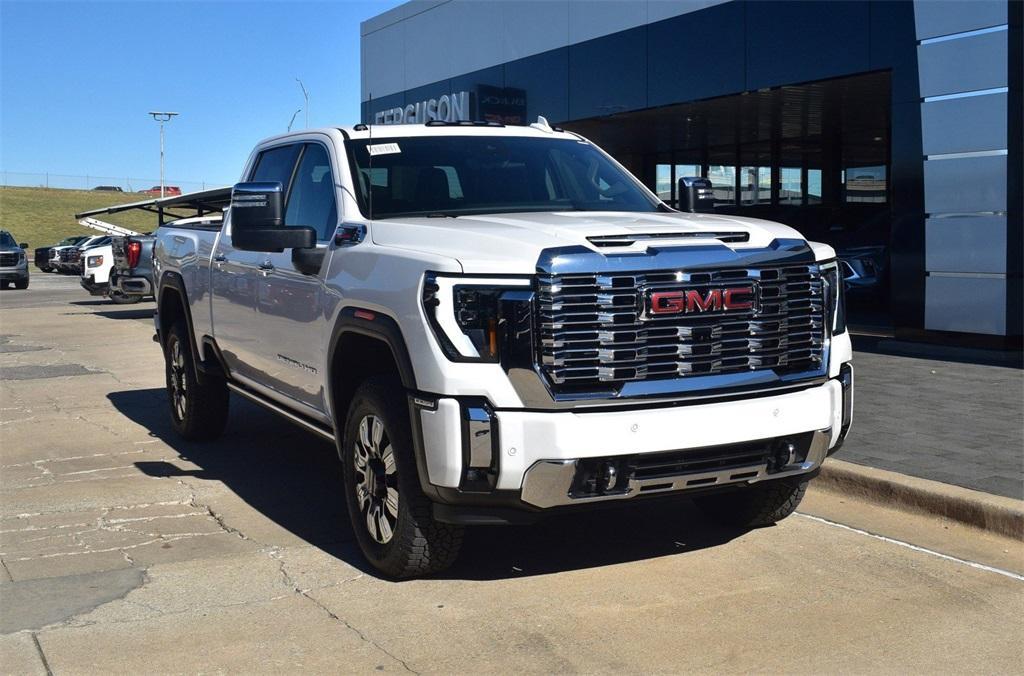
(681, 302)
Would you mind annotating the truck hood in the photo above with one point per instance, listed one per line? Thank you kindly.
(512, 243)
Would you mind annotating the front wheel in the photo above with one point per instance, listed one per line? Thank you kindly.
(21, 284)
(199, 409)
(392, 518)
(759, 505)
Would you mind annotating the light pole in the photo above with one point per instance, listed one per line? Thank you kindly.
(305, 95)
(291, 121)
(161, 117)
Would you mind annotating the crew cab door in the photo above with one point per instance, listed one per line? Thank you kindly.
(236, 275)
(289, 303)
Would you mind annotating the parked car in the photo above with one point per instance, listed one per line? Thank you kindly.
(69, 259)
(109, 188)
(43, 254)
(169, 191)
(866, 269)
(13, 262)
(505, 324)
(97, 265)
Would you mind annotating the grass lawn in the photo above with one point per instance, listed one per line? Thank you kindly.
(43, 216)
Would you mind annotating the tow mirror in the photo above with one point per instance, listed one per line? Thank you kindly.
(257, 220)
(696, 195)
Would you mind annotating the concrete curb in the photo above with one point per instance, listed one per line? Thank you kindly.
(992, 513)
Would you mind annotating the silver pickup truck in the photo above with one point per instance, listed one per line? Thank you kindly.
(497, 323)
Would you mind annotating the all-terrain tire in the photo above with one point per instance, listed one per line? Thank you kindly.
(380, 478)
(759, 505)
(199, 408)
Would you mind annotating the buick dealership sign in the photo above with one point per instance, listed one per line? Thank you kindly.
(448, 108)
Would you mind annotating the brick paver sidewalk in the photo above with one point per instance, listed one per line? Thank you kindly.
(950, 421)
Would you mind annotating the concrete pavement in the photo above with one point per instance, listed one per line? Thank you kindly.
(125, 549)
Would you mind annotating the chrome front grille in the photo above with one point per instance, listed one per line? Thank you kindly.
(592, 333)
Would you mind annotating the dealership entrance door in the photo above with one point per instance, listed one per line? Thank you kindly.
(814, 156)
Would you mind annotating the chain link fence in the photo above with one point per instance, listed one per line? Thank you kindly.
(87, 182)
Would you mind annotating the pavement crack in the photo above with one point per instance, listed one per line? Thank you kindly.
(304, 593)
(42, 655)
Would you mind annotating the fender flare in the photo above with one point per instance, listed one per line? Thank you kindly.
(172, 282)
(382, 328)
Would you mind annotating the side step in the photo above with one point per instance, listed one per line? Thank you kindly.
(295, 418)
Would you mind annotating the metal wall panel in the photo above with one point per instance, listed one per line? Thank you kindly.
(963, 65)
(945, 17)
(965, 185)
(791, 42)
(382, 59)
(529, 27)
(599, 85)
(696, 56)
(966, 244)
(966, 304)
(545, 78)
(589, 19)
(964, 125)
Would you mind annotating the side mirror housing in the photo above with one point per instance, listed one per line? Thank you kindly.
(257, 220)
(696, 195)
(24, 245)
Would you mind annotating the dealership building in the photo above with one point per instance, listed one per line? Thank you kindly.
(890, 130)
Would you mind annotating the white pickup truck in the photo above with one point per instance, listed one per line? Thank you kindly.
(497, 323)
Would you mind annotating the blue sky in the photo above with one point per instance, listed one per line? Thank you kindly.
(79, 77)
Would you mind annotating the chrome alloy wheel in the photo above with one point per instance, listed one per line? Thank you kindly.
(179, 383)
(376, 481)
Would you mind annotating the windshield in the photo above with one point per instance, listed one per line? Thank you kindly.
(464, 175)
(6, 240)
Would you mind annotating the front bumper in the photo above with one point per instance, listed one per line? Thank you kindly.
(94, 288)
(14, 275)
(539, 460)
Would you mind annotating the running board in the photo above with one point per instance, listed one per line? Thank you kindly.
(302, 422)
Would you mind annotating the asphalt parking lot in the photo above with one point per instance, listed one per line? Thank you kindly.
(125, 549)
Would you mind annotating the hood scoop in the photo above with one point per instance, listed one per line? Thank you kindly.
(629, 239)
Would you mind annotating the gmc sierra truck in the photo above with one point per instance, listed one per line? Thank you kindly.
(497, 323)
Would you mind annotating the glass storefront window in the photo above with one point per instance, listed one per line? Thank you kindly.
(814, 186)
(686, 171)
(756, 185)
(723, 182)
(663, 182)
(790, 189)
(865, 184)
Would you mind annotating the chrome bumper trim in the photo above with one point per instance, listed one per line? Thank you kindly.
(547, 482)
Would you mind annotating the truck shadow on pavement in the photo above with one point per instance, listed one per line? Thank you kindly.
(294, 479)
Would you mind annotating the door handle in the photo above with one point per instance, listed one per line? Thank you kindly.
(266, 267)
(219, 258)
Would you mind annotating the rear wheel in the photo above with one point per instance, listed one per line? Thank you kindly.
(119, 298)
(199, 409)
(759, 505)
(392, 518)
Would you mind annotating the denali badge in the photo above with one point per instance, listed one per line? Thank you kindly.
(689, 301)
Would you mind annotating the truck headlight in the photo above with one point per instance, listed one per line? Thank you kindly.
(465, 314)
(94, 261)
(835, 296)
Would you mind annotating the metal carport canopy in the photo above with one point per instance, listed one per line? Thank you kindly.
(201, 202)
